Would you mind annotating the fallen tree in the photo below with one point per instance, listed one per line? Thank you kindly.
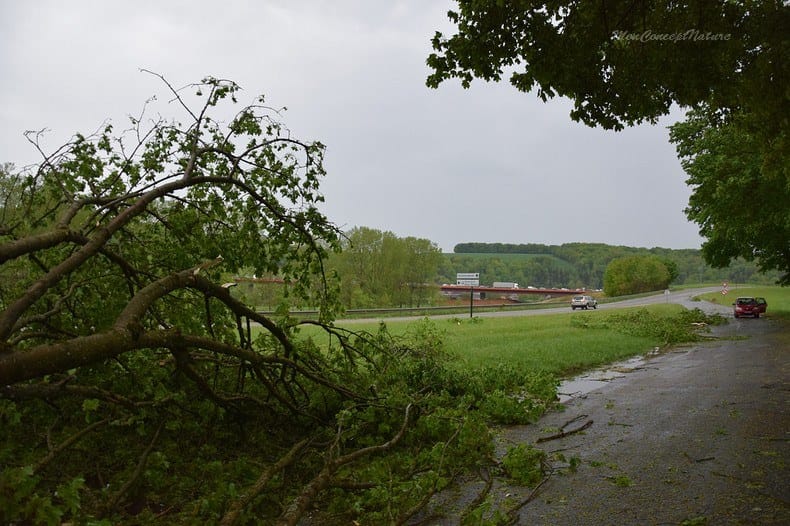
(134, 386)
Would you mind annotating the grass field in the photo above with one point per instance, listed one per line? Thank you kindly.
(560, 344)
(548, 343)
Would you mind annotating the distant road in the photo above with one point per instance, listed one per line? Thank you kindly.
(681, 297)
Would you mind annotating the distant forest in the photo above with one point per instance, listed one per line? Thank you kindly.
(576, 265)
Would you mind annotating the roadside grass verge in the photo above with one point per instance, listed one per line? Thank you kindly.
(507, 369)
(560, 345)
(556, 344)
(778, 299)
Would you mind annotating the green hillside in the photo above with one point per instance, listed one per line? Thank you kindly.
(576, 265)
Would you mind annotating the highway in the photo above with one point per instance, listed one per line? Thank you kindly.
(681, 297)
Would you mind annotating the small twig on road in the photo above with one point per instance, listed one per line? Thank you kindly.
(481, 497)
(513, 512)
(703, 459)
(613, 423)
(572, 420)
(564, 434)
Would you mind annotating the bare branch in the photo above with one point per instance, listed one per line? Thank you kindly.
(564, 434)
(302, 502)
(137, 472)
(66, 444)
(232, 515)
(62, 388)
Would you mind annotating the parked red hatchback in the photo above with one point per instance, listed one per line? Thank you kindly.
(750, 307)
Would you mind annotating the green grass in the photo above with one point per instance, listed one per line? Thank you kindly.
(540, 343)
(778, 298)
(548, 343)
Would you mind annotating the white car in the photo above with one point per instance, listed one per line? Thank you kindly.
(583, 302)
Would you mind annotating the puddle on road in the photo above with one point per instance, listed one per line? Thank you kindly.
(592, 380)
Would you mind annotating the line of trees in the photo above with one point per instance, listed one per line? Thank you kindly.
(584, 264)
(373, 268)
(379, 269)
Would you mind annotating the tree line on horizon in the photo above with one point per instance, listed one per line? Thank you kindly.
(582, 265)
(378, 268)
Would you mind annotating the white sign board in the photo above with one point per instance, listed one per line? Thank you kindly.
(470, 279)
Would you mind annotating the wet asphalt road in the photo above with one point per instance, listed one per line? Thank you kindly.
(698, 434)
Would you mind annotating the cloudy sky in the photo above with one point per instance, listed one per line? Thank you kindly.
(486, 164)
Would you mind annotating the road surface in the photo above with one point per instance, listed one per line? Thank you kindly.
(682, 297)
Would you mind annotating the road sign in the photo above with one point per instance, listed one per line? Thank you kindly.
(470, 279)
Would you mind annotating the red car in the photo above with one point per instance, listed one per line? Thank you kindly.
(750, 307)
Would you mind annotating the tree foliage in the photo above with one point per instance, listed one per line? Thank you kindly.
(380, 269)
(577, 265)
(623, 63)
(135, 388)
(635, 274)
(740, 197)
(111, 237)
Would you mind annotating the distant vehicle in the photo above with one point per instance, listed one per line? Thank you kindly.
(748, 306)
(583, 302)
(505, 285)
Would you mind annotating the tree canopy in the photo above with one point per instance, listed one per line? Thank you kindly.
(623, 63)
(380, 269)
(635, 274)
(94, 217)
(741, 197)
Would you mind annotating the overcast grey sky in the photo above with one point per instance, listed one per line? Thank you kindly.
(486, 164)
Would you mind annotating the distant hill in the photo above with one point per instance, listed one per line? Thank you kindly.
(575, 265)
